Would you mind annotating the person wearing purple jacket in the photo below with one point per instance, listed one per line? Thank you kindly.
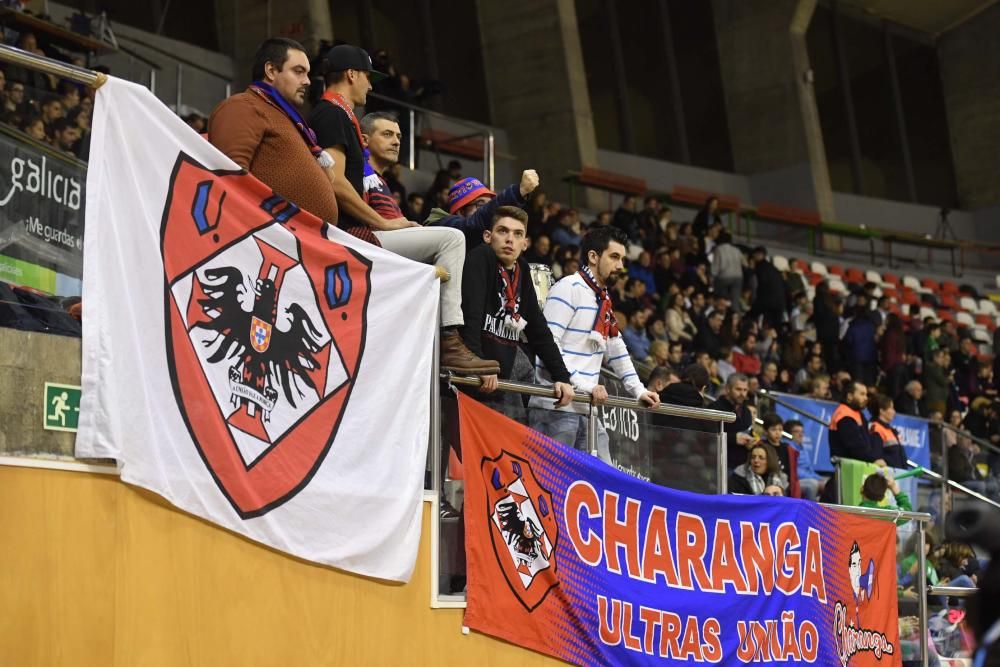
(471, 206)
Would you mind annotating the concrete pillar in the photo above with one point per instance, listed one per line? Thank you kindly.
(538, 87)
(767, 85)
(969, 61)
(244, 24)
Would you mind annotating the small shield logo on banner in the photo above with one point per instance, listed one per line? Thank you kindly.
(266, 322)
(522, 527)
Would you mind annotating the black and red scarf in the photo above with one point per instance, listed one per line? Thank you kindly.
(510, 295)
(606, 326)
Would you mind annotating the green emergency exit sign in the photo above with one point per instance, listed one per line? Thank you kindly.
(62, 407)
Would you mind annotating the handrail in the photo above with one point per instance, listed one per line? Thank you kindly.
(952, 591)
(431, 112)
(18, 56)
(957, 485)
(965, 434)
(789, 406)
(173, 56)
(612, 401)
(880, 513)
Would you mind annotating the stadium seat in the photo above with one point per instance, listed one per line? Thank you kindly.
(926, 312)
(930, 284)
(815, 279)
(946, 315)
(909, 297)
(890, 278)
(874, 277)
(987, 307)
(837, 285)
(818, 268)
(979, 333)
(949, 287)
(800, 265)
(891, 292)
(964, 318)
(984, 320)
(835, 270)
(969, 304)
(912, 283)
(877, 292)
(948, 301)
(780, 262)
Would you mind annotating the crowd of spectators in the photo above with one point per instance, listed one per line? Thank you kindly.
(691, 295)
(53, 111)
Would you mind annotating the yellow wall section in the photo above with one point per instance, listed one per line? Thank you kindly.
(95, 572)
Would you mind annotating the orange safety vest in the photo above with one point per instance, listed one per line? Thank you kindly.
(887, 433)
(844, 410)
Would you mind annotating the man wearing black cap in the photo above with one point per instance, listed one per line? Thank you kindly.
(348, 79)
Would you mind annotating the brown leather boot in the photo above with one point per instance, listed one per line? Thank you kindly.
(456, 357)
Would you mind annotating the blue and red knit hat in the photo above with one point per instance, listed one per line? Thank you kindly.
(465, 192)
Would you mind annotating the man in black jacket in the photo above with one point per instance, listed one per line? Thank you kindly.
(738, 437)
(499, 304)
(769, 297)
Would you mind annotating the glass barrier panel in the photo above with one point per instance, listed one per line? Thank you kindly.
(682, 458)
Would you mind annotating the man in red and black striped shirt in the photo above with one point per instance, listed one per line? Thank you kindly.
(381, 133)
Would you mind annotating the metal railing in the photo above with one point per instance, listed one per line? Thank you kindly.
(82, 75)
(940, 479)
(487, 133)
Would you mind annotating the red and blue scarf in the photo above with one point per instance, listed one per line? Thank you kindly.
(269, 93)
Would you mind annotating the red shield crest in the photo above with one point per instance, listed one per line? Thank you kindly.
(522, 527)
(265, 330)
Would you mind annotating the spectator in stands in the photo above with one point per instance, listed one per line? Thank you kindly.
(69, 94)
(659, 353)
(724, 364)
(687, 242)
(649, 222)
(911, 401)
(706, 216)
(937, 379)
(627, 220)
(769, 298)
(769, 377)
(819, 387)
(14, 100)
(931, 343)
(745, 358)
(581, 317)
(34, 127)
(675, 356)
(471, 205)
(727, 270)
(39, 82)
(738, 437)
(758, 474)
(810, 481)
(849, 431)
(808, 373)
(65, 135)
(826, 317)
(709, 337)
(565, 232)
(660, 378)
(892, 354)
(262, 131)
(688, 392)
(873, 491)
(437, 194)
(500, 305)
(679, 324)
(414, 206)
(771, 437)
(642, 269)
(634, 335)
(860, 350)
(52, 110)
(883, 413)
(540, 251)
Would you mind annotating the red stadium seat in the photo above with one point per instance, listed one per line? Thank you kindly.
(930, 284)
(836, 270)
(948, 301)
(985, 320)
(891, 278)
(800, 265)
(946, 315)
(909, 297)
(854, 275)
(949, 287)
(815, 278)
(891, 293)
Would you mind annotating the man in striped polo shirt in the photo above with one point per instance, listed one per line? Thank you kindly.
(581, 317)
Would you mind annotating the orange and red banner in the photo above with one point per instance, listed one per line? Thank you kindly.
(573, 558)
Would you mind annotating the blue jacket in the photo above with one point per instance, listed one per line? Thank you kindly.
(474, 226)
(859, 341)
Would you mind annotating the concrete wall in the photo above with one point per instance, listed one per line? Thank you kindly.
(969, 60)
(537, 85)
(27, 361)
(758, 78)
(200, 90)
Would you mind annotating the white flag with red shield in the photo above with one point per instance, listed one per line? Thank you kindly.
(247, 361)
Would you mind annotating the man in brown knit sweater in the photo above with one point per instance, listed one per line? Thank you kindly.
(262, 131)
